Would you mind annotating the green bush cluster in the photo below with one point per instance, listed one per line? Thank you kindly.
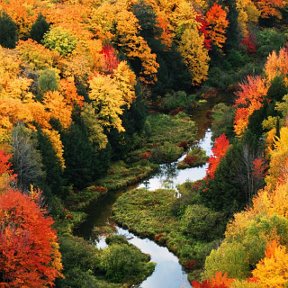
(202, 223)
(177, 100)
(124, 263)
(85, 266)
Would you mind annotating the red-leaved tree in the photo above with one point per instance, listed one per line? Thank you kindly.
(203, 29)
(111, 60)
(29, 251)
(219, 150)
(6, 173)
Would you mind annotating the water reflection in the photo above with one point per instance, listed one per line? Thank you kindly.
(167, 264)
(169, 176)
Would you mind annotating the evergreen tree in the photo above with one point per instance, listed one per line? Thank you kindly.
(85, 162)
(233, 185)
(39, 28)
(8, 31)
(172, 73)
(77, 154)
(233, 32)
(51, 164)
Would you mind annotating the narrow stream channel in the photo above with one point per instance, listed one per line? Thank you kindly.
(168, 272)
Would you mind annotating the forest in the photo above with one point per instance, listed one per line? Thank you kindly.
(98, 98)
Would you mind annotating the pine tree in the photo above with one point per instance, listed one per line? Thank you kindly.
(8, 31)
(39, 28)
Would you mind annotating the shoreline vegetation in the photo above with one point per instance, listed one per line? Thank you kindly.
(158, 216)
(139, 165)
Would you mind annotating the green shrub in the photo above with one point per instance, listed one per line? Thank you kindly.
(76, 278)
(194, 158)
(222, 120)
(48, 81)
(175, 100)
(122, 263)
(76, 252)
(80, 261)
(116, 239)
(230, 258)
(202, 223)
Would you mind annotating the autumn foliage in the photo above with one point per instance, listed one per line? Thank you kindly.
(6, 173)
(250, 98)
(220, 280)
(29, 252)
(272, 270)
(219, 150)
(216, 19)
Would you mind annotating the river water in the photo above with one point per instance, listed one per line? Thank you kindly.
(169, 176)
(168, 272)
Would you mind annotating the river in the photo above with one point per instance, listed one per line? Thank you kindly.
(168, 272)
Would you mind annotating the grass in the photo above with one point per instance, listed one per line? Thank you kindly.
(121, 175)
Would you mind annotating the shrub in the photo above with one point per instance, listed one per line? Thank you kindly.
(48, 81)
(166, 153)
(195, 157)
(222, 120)
(177, 100)
(202, 223)
(229, 258)
(122, 262)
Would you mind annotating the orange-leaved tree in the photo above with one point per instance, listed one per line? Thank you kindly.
(250, 98)
(272, 271)
(216, 18)
(29, 251)
(270, 8)
(276, 65)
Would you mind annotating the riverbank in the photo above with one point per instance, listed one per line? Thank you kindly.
(158, 144)
(190, 234)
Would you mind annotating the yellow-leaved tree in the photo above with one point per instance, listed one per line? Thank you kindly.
(272, 270)
(107, 101)
(195, 55)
